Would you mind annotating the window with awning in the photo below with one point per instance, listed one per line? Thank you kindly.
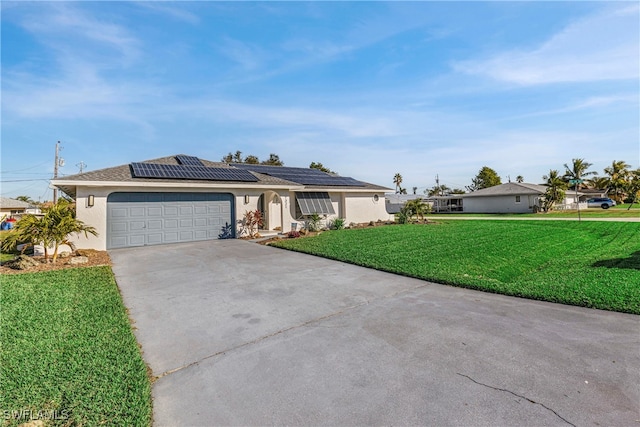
(314, 202)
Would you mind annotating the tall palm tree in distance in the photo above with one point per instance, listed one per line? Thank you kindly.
(397, 180)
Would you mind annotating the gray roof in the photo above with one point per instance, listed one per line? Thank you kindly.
(123, 174)
(508, 189)
(7, 203)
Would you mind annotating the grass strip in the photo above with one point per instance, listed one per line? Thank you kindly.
(590, 264)
(68, 354)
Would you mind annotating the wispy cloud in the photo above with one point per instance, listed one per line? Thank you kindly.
(600, 47)
(173, 12)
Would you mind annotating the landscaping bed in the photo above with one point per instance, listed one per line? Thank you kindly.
(94, 259)
(590, 264)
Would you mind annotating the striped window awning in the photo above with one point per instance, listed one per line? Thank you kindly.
(314, 202)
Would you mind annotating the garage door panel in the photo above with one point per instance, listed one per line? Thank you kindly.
(154, 211)
(136, 219)
(154, 224)
(170, 211)
(170, 223)
(154, 238)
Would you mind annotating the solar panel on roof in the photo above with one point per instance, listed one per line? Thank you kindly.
(189, 160)
(152, 170)
(303, 176)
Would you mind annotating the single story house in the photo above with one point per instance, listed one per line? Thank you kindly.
(183, 198)
(515, 197)
(438, 204)
(11, 207)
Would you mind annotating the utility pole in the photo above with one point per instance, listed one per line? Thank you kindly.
(58, 162)
(81, 165)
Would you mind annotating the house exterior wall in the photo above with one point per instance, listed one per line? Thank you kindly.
(500, 204)
(96, 215)
(362, 207)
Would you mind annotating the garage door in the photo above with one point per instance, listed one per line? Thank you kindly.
(139, 219)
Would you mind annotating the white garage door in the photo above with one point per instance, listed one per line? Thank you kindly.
(139, 219)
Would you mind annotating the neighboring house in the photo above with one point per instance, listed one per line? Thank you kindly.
(11, 207)
(438, 204)
(512, 197)
(182, 198)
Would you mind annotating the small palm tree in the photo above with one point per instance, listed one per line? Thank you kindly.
(52, 229)
(577, 170)
(618, 178)
(397, 180)
(519, 179)
(556, 187)
(598, 182)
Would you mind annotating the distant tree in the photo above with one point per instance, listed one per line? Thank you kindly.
(633, 188)
(227, 159)
(457, 191)
(618, 178)
(438, 190)
(598, 182)
(397, 180)
(403, 190)
(556, 187)
(519, 179)
(237, 157)
(252, 160)
(415, 189)
(25, 199)
(577, 170)
(274, 160)
(320, 166)
(486, 178)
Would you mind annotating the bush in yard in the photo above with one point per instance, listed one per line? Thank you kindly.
(251, 222)
(313, 222)
(293, 234)
(337, 224)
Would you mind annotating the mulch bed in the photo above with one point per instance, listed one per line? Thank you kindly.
(96, 258)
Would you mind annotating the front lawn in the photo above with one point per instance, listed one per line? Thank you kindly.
(68, 355)
(591, 264)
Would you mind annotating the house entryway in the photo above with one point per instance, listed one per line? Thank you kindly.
(270, 204)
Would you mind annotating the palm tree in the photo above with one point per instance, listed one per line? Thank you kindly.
(438, 190)
(555, 189)
(577, 170)
(598, 182)
(397, 180)
(618, 178)
(633, 188)
(52, 229)
(519, 179)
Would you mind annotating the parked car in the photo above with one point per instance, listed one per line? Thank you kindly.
(600, 202)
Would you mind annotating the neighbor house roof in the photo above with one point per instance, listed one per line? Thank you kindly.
(7, 203)
(508, 189)
(124, 174)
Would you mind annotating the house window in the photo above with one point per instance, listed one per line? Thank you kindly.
(517, 199)
(309, 203)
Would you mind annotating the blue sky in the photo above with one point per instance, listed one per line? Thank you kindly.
(369, 89)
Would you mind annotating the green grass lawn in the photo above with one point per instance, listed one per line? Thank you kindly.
(588, 213)
(68, 352)
(591, 264)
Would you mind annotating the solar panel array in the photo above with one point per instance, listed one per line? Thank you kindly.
(314, 202)
(189, 160)
(302, 176)
(153, 170)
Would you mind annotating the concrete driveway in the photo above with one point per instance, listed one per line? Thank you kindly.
(242, 334)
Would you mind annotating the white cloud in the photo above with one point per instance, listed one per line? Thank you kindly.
(600, 47)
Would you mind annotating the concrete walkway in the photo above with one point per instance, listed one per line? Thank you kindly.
(241, 334)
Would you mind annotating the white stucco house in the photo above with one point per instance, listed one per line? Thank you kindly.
(516, 197)
(182, 198)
